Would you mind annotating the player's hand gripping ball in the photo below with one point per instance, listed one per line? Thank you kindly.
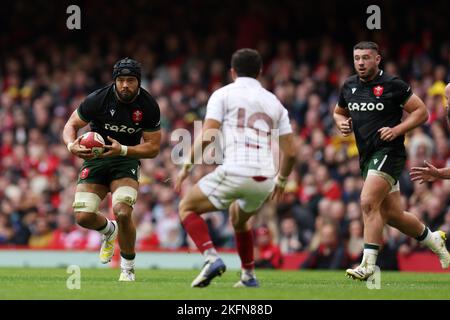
(93, 141)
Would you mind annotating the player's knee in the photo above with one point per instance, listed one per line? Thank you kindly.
(235, 221)
(238, 221)
(368, 205)
(123, 200)
(184, 208)
(239, 225)
(85, 219)
(122, 212)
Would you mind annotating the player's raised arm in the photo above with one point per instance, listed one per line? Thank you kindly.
(70, 136)
(342, 120)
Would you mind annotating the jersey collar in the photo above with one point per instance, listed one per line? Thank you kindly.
(248, 81)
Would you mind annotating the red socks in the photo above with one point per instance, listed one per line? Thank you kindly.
(244, 246)
(197, 229)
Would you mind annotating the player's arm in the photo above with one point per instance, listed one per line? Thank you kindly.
(342, 119)
(418, 115)
(202, 141)
(149, 148)
(288, 153)
(429, 173)
(215, 112)
(197, 148)
(69, 136)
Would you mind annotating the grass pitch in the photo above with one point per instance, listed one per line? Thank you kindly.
(30, 283)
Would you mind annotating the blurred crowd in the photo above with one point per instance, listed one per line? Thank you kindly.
(43, 80)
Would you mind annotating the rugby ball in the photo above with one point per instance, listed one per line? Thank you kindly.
(93, 141)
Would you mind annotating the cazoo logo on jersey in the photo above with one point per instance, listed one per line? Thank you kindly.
(121, 128)
(363, 106)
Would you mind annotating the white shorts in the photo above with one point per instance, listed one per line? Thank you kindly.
(222, 189)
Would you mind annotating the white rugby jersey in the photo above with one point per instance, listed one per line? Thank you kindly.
(252, 118)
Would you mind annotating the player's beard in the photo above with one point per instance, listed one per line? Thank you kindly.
(368, 74)
(127, 95)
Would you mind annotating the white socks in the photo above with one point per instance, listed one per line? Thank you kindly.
(428, 240)
(126, 264)
(370, 256)
(108, 229)
(247, 274)
(210, 255)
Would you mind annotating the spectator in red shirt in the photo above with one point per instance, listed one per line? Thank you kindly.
(267, 254)
(65, 227)
(330, 254)
(328, 187)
